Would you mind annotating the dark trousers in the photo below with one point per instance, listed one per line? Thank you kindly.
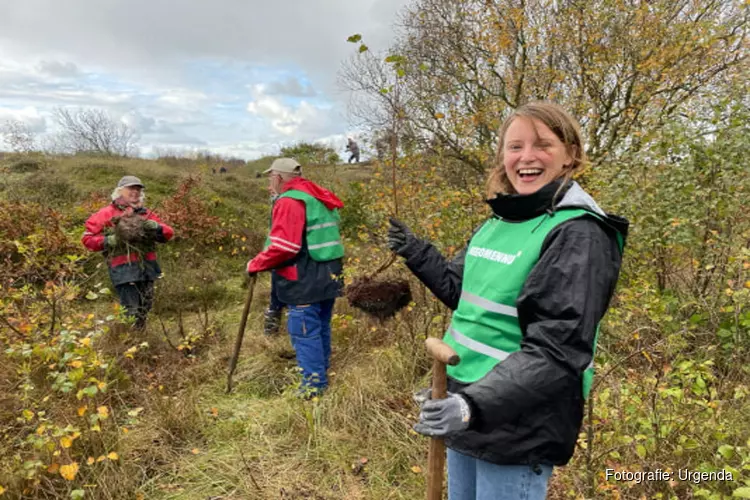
(276, 304)
(354, 156)
(137, 298)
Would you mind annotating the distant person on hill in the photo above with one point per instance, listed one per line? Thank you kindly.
(353, 149)
(223, 170)
(527, 294)
(126, 233)
(304, 251)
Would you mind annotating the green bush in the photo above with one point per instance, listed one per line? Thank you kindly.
(25, 165)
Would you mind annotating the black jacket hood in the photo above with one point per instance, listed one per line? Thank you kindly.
(552, 197)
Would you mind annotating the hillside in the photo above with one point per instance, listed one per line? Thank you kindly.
(89, 410)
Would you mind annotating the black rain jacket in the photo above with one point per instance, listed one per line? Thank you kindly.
(528, 409)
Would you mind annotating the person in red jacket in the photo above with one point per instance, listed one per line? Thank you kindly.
(132, 269)
(305, 252)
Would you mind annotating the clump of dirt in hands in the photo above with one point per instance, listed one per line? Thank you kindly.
(129, 229)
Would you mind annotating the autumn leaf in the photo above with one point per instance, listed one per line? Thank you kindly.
(66, 442)
(81, 410)
(103, 412)
(195, 451)
(416, 469)
(69, 471)
(90, 461)
(113, 456)
(53, 468)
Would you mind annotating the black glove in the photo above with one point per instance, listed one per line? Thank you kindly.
(399, 236)
(443, 417)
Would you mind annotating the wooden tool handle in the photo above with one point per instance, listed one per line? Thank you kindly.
(436, 456)
(241, 332)
(441, 351)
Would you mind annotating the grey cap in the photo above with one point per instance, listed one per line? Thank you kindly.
(284, 166)
(129, 180)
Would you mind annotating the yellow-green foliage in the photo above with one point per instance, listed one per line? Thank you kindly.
(88, 409)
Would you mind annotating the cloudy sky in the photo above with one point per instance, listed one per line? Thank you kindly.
(237, 77)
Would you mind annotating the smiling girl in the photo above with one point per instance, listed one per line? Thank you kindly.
(527, 294)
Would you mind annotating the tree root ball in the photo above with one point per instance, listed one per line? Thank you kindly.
(381, 299)
(129, 229)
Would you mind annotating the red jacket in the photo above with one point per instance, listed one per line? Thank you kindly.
(93, 237)
(287, 226)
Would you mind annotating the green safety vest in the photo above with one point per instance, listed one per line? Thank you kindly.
(321, 227)
(484, 329)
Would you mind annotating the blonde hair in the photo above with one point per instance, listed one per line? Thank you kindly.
(560, 122)
(118, 192)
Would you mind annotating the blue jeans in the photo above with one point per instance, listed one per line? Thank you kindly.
(309, 327)
(473, 479)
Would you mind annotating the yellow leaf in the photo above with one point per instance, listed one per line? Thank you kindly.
(86, 342)
(76, 364)
(69, 471)
(101, 458)
(2, 490)
(113, 456)
(81, 411)
(90, 461)
(101, 386)
(195, 451)
(53, 468)
(28, 414)
(125, 430)
(103, 412)
(215, 412)
(416, 469)
(747, 284)
(66, 442)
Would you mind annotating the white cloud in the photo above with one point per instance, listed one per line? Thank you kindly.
(58, 68)
(28, 115)
(290, 87)
(284, 118)
(179, 76)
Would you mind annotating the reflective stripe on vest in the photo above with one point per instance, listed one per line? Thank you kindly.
(478, 346)
(488, 304)
(322, 226)
(324, 245)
